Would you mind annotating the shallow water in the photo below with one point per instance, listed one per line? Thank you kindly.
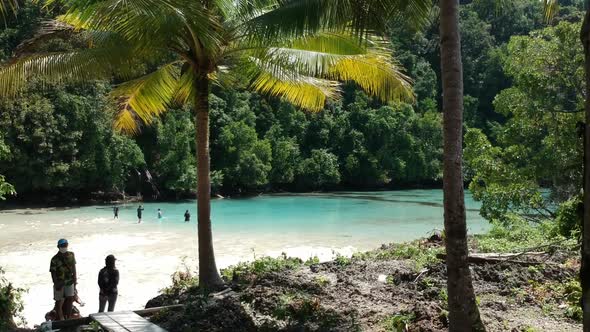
(148, 253)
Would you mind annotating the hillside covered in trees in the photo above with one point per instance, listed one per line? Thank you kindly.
(514, 99)
(57, 139)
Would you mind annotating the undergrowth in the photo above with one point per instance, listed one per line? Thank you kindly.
(519, 235)
(399, 322)
(420, 254)
(261, 266)
(299, 308)
(182, 281)
(11, 304)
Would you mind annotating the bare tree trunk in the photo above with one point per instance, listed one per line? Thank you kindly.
(208, 274)
(463, 312)
(585, 261)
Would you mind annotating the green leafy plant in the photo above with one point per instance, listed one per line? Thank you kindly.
(182, 281)
(11, 304)
(341, 260)
(420, 255)
(322, 281)
(399, 322)
(260, 266)
(312, 261)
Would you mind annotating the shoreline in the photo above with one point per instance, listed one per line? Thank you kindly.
(396, 287)
(243, 229)
(13, 203)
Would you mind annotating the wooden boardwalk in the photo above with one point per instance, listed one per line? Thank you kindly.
(124, 321)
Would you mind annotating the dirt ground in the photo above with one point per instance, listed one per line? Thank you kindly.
(377, 295)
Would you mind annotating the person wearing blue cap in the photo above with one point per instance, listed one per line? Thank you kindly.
(63, 273)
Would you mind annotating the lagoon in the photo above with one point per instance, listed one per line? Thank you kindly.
(303, 225)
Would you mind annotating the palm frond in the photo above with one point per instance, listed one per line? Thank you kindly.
(377, 75)
(167, 20)
(67, 67)
(7, 6)
(316, 55)
(340, 43)
(304, 91)
(338, 57)
(550, 9)
(146, 97)
(185, 88)
(299, 17)
(243, 10)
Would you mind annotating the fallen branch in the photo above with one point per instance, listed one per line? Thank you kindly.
(478, 259)
(421, 273)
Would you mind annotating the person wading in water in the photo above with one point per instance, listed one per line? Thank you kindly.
(139, 213)
(63, 273)
(108, 280)
(187, 216)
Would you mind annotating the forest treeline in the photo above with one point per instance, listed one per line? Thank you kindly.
(520, 124)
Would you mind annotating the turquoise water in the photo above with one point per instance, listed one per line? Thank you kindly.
(389, 215)
(366, 218)
(148, 253)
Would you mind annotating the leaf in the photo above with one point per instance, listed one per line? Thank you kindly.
(146, 97)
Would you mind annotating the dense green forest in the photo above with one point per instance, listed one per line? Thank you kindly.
(512, 133)
(521, 118)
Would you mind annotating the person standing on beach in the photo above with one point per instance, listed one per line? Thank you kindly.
(139, 213)
(108, 280)
(187, 216)
(116, 212)
(159, 214)
(63, 273)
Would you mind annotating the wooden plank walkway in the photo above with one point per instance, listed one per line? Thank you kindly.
(124, 321)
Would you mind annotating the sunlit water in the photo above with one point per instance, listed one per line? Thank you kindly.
(300, 225)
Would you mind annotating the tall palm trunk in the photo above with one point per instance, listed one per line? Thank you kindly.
(585, 266)
(463, 312)
(208, 275)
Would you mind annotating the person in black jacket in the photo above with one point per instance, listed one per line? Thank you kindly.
(108, 279)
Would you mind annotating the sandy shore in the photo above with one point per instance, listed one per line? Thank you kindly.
(147, 255)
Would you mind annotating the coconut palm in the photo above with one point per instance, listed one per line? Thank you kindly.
(585, 250)
(294, 49)
(463, 311)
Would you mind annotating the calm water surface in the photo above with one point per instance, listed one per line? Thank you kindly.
(300, 225)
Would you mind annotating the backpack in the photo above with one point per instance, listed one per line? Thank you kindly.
(104, 279)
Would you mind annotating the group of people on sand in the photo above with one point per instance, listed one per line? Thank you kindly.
(65, 279)
(187, 215)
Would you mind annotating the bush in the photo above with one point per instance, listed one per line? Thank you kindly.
(300, 308)
(260, 266)
(518, 234)
(181, 282)
(399, 322)
(11, 305)
(569, 217)
(419, 254)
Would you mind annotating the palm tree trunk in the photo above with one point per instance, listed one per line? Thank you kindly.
(208, 274)
(463, 312)
(585, 261)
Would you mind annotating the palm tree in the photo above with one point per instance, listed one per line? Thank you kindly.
(585, 250)
(463, 311)
(296, 49)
